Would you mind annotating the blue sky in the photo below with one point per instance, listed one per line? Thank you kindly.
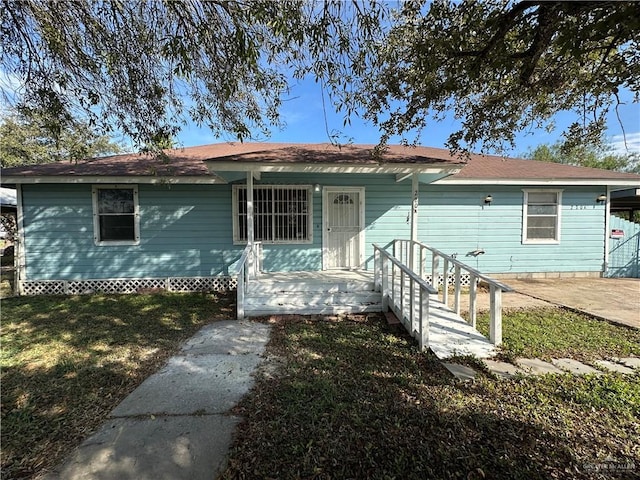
(304, 116)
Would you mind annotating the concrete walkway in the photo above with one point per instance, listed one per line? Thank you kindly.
(176, 425)
(614, 299)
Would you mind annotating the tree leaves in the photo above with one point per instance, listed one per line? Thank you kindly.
(497, 66)
(501, 67)
(28, 138)
(586, 156)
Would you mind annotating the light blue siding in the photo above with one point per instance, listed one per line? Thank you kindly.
(387, 205)
(455, 220)
(186, 230)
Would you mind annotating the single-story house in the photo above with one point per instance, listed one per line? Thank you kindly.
(139, 221)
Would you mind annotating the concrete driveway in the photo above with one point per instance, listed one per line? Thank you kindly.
(614, 299)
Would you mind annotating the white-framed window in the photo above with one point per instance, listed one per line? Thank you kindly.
(116, 219)
(541, 216)
(282, 214)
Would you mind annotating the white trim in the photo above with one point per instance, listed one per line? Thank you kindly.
(234, 214)
(415, 203)
(19, 260)
(539, 182)
(415, 196)
(361, 213)
(100, 179)
(96, 217)
(329, 168)
(525, 203)
(250, 216)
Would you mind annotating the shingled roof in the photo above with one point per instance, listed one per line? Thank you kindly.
(201, 162)
(191, 161)
(498, 168)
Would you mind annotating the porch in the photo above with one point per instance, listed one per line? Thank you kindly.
(392, 286)
(312, 293)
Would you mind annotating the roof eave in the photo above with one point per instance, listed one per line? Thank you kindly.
(122, 179)
(381, 168)
(620, 182)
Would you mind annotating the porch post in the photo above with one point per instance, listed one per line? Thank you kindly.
(19, 255)
(250, 234)
(414, 219)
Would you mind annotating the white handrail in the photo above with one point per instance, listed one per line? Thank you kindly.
(406, 249)
(413, 314)
(249, 267)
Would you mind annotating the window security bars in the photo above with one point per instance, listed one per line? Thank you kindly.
(281, 214)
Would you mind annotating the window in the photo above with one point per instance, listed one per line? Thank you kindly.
(281, 214)
(115, 215)
(541, 216)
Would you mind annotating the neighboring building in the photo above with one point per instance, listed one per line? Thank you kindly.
(181, 221)
(7, 207)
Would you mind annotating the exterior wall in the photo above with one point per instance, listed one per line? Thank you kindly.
(186, 230)
(387, 206)
(454, 219)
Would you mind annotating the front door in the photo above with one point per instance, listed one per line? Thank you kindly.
(343, 219)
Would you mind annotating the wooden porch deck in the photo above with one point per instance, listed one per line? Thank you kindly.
(353, 291)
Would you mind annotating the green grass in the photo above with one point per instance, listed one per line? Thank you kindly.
(67, 361)
(353, 399)
(558, 333)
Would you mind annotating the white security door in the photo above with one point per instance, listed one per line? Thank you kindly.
(343, 221)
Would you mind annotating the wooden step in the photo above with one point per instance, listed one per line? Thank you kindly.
(255, 311)
(312, 293)
(311, 303)
(272, 287)
(313, 298)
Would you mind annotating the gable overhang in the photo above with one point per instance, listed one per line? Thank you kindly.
(210, 179)
(613, 182)
(394, 169)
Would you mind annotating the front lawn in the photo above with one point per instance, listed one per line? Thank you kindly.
(350, 397)
(558, 333)
(67, 361)
(354, 399)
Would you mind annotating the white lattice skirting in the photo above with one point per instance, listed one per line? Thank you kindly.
(465, 279)
(128, 285)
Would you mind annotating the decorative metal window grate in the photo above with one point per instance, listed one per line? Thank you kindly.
(281, 214)
(128, 285)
